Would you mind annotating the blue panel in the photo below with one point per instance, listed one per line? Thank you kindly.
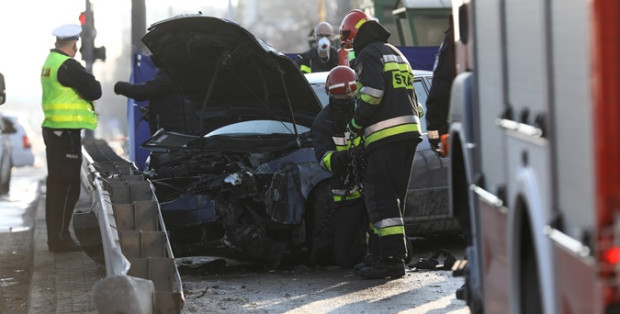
(143, 70)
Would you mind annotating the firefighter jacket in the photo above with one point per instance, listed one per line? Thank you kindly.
(331, 148)
(387, 107)
(310, 61)
(64, 106)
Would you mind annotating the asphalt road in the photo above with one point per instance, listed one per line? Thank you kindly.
(210, 285)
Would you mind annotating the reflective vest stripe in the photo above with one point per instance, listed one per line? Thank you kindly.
(352, 196)
(371, 95)
(306, 69)
(393, 66)
(394, 58)
(389, 123)
(389, 222)
(390, 226)
(71, 118)
(326, 161)
(405, 128)
(391, 231)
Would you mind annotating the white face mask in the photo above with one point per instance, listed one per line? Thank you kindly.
(323, 45)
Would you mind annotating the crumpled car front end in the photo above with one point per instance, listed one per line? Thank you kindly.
(223, 195)
(238, 184)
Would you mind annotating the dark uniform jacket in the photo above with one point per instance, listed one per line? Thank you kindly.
(438, 102)
(166, 104)
(385, 88)
(312, 60)
(331, 147)
(72, 74)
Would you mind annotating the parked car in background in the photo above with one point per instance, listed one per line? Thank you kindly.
(5, 148)
(2, 88)
(427, 211)
(22, 154)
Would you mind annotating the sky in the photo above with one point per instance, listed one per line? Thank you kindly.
(25, 31)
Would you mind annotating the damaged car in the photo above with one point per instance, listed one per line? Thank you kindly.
(243, 183)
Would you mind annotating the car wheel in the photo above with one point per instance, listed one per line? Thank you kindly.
(319, 231)
(5, 176)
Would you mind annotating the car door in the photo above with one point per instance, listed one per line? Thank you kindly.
(427, 195)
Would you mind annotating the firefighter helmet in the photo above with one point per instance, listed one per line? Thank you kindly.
(341, 81)
(350, 25)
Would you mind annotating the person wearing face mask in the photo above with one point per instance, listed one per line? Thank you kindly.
(332, 145)
(322, 57)
(67, 101)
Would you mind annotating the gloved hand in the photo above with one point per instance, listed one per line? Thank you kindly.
(354, 128)
(119, 87)
(433, 138)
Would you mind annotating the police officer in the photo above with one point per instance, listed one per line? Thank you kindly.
(68, 93)
(322, 57)
(331, 147)
(387, 116)
(166, 103)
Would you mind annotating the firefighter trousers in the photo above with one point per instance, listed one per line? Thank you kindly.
(388, 171)
(63, 150)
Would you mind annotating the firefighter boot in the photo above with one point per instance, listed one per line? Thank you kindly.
(372, 253)
(383, 268)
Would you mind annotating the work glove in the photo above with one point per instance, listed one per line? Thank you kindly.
(434, 139)
(120, 87)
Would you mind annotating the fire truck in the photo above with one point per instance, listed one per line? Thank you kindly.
(535, 153)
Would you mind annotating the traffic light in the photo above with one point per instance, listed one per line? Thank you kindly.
(89, 52)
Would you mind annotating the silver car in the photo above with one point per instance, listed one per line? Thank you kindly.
(5, 148)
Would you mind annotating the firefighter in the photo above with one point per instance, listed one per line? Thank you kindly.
(331, 147)
(67, 101)
(322, 57)
(387, 116)
(438, 102)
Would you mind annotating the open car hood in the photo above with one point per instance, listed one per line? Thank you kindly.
(228, 75)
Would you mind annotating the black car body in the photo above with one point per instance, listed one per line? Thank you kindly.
(241, 184)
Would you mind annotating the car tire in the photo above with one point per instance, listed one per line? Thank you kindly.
(5, 176)
(319, 237)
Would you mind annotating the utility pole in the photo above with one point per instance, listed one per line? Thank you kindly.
(138, 27)
(89, 52)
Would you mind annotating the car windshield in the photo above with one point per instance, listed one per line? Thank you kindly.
(319, 90)
(258, 127)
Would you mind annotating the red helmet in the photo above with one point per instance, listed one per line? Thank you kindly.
(350, 25)
(341, 80)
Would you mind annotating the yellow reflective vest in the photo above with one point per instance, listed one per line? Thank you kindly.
(62, 106)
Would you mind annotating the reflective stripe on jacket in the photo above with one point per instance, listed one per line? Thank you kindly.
(386, 101)
(331, 144)
(62, 106)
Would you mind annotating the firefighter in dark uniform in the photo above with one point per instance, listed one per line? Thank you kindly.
(323, 56)
(68, 92)
(438, 102)
(331, 147)
(387, 117)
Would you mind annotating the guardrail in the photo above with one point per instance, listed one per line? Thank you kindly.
(141, 276)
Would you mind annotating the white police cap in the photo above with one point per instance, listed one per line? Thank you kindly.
(67, 32)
